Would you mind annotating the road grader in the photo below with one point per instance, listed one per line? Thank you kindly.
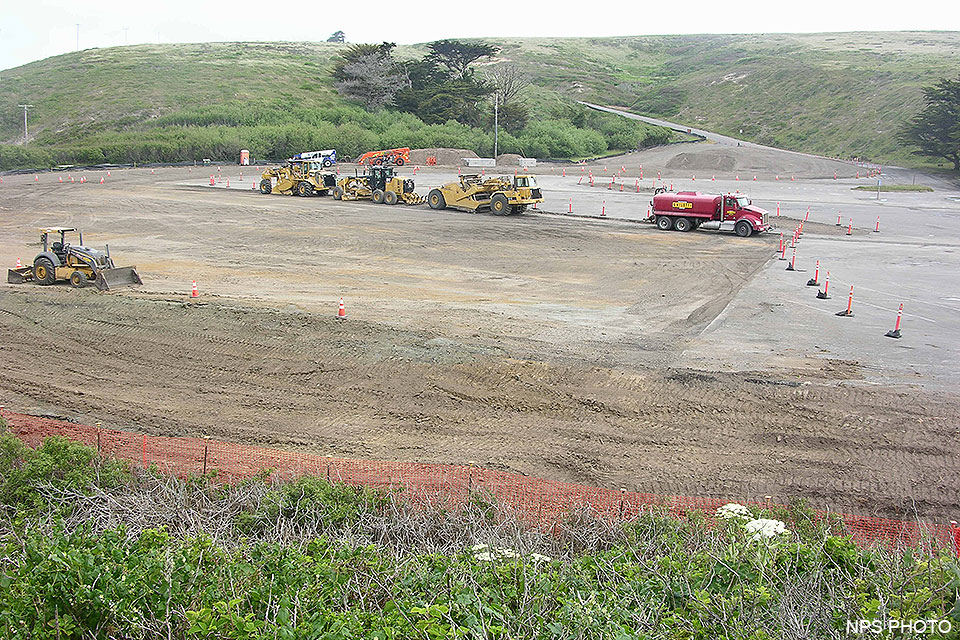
(502, 195)
(302, 177)
(81, 265)
(380, 185)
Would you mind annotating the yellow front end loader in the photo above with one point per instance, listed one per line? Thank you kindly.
(502, 195)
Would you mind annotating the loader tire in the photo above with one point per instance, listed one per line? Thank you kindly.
(499, 205)
(743, 229)
(337, 193)
(265, 186)
(664, 223)
(435, 200)
(377, 196)
(44, 272)
(78, 279)
(390, 197)
(304, 189)
(398, 161)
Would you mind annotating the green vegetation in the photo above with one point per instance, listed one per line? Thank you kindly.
(895, 187)
(833, 94)
(89, 550)
(936, 129)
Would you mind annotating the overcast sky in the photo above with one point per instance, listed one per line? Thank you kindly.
(35, 30)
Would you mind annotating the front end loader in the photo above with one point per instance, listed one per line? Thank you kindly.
(502, 195)
(78, 264)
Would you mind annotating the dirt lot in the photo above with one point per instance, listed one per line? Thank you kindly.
(539, 344)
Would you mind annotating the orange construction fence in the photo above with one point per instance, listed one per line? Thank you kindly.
(535, 500)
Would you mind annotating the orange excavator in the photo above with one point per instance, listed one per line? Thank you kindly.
(396, 157)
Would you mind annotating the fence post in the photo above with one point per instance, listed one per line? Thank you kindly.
(206, 440)
(469, 479)
(956, 537)
(99, 454)
(328, 469)
(623, 492)
(143, 450)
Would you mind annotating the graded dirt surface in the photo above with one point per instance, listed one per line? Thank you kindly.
(556, 346)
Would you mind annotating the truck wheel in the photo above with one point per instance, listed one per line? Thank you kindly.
(337, 193)
(377, 196)
(390, 197)
(664, 223)
(743, 229)
(44, 271)
(398, 161)
(265, 186)
(326, 164)
(435, 200)
(682, 224)
(499, 205)
(78, 279)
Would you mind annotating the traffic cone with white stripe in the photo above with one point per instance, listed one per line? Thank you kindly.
(341, 311)
(194, 293)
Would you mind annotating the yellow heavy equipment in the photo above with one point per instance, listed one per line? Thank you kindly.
(502, 195)
(298, 177)
(81, 265)
(380, 185)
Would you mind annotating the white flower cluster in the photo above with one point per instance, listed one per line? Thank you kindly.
(487, 553)
(733, 510)
(761, 528)
(765, 528)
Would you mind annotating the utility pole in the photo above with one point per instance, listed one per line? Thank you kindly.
(26, 136)
(496, 123)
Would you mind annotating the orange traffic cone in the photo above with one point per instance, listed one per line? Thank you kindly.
(193, 291)
(36, 178)
(61, 178)
(101, 179)
(341, 311)
(19, 266)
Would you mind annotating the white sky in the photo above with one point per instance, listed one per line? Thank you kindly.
(35, 30)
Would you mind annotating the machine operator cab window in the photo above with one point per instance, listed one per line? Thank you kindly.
(733, 204)
(525, 181)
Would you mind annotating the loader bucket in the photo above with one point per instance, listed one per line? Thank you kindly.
(117, 277)
(19, 276)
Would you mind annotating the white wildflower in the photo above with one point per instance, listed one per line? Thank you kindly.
(733, 510)
(762, 528)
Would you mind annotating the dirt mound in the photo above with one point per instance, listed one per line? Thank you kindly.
(508, 160)
(444, 156)
(710, 160)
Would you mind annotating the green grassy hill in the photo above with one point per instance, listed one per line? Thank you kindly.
(835, 94)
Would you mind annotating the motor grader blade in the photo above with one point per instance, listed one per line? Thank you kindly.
(19, 276)
(117, 277)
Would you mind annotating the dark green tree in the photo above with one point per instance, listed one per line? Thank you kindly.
(435, 95)
(457, 56)
(338, 36)
(936, 129)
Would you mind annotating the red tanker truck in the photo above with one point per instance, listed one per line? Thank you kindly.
(687, 210)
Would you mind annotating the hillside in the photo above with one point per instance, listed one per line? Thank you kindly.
(835, 94)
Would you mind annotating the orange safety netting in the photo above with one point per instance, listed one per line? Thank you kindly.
(535, 500)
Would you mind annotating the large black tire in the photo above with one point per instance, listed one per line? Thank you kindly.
(743, 229)
(78, 279)
(265, 186)
(398, 161)
(390, 197)
(44, 271)
(305, 189)
(337, 193)
(499, 205)
(664, 223)
(435, 199)
(682, 224)
(327, 163)
(377, 196)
